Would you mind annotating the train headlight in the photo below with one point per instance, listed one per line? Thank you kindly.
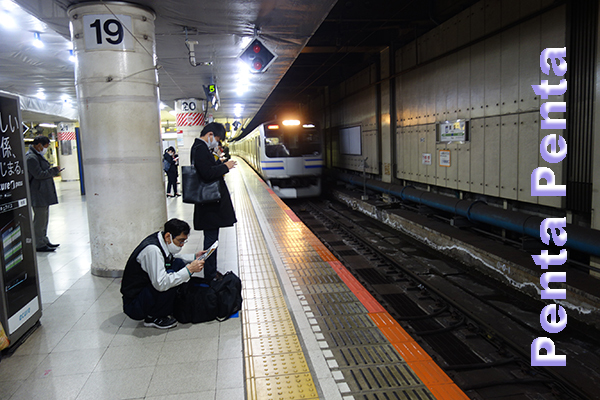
(291, 122)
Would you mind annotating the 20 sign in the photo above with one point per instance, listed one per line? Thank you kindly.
(108, 32)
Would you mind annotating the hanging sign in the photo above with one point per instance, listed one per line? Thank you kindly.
(187, 113)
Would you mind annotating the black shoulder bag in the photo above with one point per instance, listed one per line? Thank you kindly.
(195, 190)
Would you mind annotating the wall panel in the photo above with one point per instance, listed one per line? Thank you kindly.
(464, 166)
(529, 7)
(492, 76)
(477, 20)
(477, 155)
(477, 79)
(529, 127)
(509, 75)
(491, 184)
(509, 156)
(430, 139)
(529, 64)
(452, 171)
(509, 14)
(463, 27)
(451, 89)
(463, 83)
(440, 172)
(493, 15)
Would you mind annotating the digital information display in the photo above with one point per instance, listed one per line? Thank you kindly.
(19, 298)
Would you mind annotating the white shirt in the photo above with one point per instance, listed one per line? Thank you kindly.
(153, 263)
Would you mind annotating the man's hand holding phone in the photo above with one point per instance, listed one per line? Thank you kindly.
(201, 252)
(195, 266)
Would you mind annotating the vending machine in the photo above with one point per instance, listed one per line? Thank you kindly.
(20, 302)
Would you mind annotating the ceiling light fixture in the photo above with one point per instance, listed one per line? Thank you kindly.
(40, 94)
(7, 20)
(46, 125)
(237, 110)
(37, 42)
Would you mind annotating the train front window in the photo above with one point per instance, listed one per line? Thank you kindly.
(292, 142)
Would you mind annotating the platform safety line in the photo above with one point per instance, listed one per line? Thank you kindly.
(432, 376)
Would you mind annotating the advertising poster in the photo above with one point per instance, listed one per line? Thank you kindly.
(19, 273)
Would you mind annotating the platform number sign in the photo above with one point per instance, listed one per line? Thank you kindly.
(107, 32)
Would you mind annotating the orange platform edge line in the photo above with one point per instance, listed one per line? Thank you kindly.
(432, 376)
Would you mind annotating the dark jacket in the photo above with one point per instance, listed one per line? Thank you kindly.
(173, 168)
(213, 215)
(41, 182)
(135, 279)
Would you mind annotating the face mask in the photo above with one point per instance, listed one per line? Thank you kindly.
(44, 150)
(212, 143)
(173, 248)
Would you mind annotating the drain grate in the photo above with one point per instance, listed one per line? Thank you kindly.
(341, 322)
(357, 337)
(398, 376)
(367, 355)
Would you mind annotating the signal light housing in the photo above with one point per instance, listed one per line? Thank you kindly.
(257, 56)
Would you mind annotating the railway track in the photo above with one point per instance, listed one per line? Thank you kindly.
(477, 330)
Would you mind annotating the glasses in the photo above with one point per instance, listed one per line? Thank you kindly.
(179, 242)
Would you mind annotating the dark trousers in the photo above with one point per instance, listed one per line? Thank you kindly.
(210, 265)
(152, 303)
(172, 181)
(40, 225)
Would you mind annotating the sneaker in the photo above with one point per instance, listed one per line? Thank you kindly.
(161, 322)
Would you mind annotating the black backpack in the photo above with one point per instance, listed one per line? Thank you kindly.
(199, 301)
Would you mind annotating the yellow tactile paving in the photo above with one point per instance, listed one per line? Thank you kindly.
(284, 387)
(275, 364)
(273, 345)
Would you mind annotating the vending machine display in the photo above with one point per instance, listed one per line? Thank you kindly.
(20, 303)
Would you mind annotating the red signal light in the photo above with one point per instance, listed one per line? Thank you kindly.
(257, 56)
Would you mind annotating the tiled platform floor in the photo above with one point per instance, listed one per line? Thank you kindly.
(86, 348)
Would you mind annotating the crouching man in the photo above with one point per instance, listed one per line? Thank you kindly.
(152, 275)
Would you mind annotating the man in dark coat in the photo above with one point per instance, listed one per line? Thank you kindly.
(212, 216)
(43, 192)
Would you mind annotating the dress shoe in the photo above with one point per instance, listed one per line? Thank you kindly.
(45, 249)
(52, 245)
(177, 195)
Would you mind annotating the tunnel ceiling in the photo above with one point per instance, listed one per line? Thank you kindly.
(318, 43)
(350, 39)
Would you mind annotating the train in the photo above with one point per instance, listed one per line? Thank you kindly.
(287, 154)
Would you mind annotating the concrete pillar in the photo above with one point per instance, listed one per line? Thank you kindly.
(190, 121)
(67, 151)
(117, 92)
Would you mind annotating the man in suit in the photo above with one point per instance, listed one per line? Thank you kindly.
(43, 192)
(210, 217)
